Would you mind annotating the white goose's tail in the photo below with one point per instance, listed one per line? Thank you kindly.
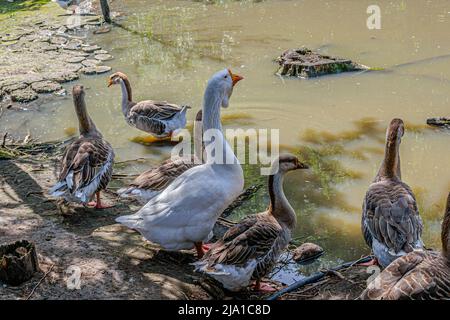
(142, 195)
(131, 221)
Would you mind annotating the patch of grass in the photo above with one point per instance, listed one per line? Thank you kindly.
(237, 118)
(21, 5)
(327, 170)
(416, 128)
(6, 154)
(364, 127)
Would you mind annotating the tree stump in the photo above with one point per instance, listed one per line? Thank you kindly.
(18, 262)
(304, 63)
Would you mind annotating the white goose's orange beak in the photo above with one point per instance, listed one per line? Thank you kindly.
(110, 83)
(235, 78)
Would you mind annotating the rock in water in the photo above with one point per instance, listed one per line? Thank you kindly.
(46, 86)
(18, 262)
(307, 252)
(23, 95)
(439, 122)
(304, 63)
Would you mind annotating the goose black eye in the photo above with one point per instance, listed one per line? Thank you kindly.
(225, 77)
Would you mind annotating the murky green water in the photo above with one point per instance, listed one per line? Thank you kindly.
(340, 119)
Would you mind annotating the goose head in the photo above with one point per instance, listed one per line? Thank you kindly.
(395, 132)
(116, 78)
(78, 93)
(223, 82)
(289, 162)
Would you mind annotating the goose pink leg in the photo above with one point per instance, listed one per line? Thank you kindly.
(201, 249)
(98, 204)
(263, 287)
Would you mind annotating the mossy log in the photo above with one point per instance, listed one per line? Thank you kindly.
(18, 262)
(304, 63)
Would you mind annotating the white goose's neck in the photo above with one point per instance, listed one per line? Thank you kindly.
(219, 152)
(211, 109)
(198, 139)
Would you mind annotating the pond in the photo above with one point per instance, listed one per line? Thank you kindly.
(336, 122)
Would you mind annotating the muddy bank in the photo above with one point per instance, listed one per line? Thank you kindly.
(113, 262)
(73, 242)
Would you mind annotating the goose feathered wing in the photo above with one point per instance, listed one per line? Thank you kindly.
(157, 110)
(257, 237)
(160, 177)
(417, 275)
(85, 161)
(152, 116)
(391, 216)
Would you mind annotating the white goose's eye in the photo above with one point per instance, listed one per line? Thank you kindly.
(225, 77)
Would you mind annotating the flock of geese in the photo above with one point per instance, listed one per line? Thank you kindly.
(184, 197)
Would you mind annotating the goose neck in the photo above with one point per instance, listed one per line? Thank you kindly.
(390, 167)
(86, 125)
(127, 97)
(279, 206)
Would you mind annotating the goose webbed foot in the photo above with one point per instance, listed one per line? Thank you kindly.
(201, 249)
(373, 262)
(150, 139)
(263, 287)
(98, 203)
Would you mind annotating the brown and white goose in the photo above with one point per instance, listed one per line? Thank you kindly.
(249, 250)
(158, 118)
(391, 223)
(87, 163)
(418, 275)
(151, 182)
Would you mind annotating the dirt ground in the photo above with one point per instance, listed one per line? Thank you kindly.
(115, 262)
(346, 284)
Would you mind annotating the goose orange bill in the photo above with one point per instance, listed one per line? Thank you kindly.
(235, 77)
(110, 83)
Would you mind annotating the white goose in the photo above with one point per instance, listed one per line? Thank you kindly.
(184, 214)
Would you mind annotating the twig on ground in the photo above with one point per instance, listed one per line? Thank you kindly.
(4, 139)
(40, 281)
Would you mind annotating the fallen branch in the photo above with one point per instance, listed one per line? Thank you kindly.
(40, 281)
(4, 139)
(316, 277)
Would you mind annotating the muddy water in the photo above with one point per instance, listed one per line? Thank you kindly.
(186, 41)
